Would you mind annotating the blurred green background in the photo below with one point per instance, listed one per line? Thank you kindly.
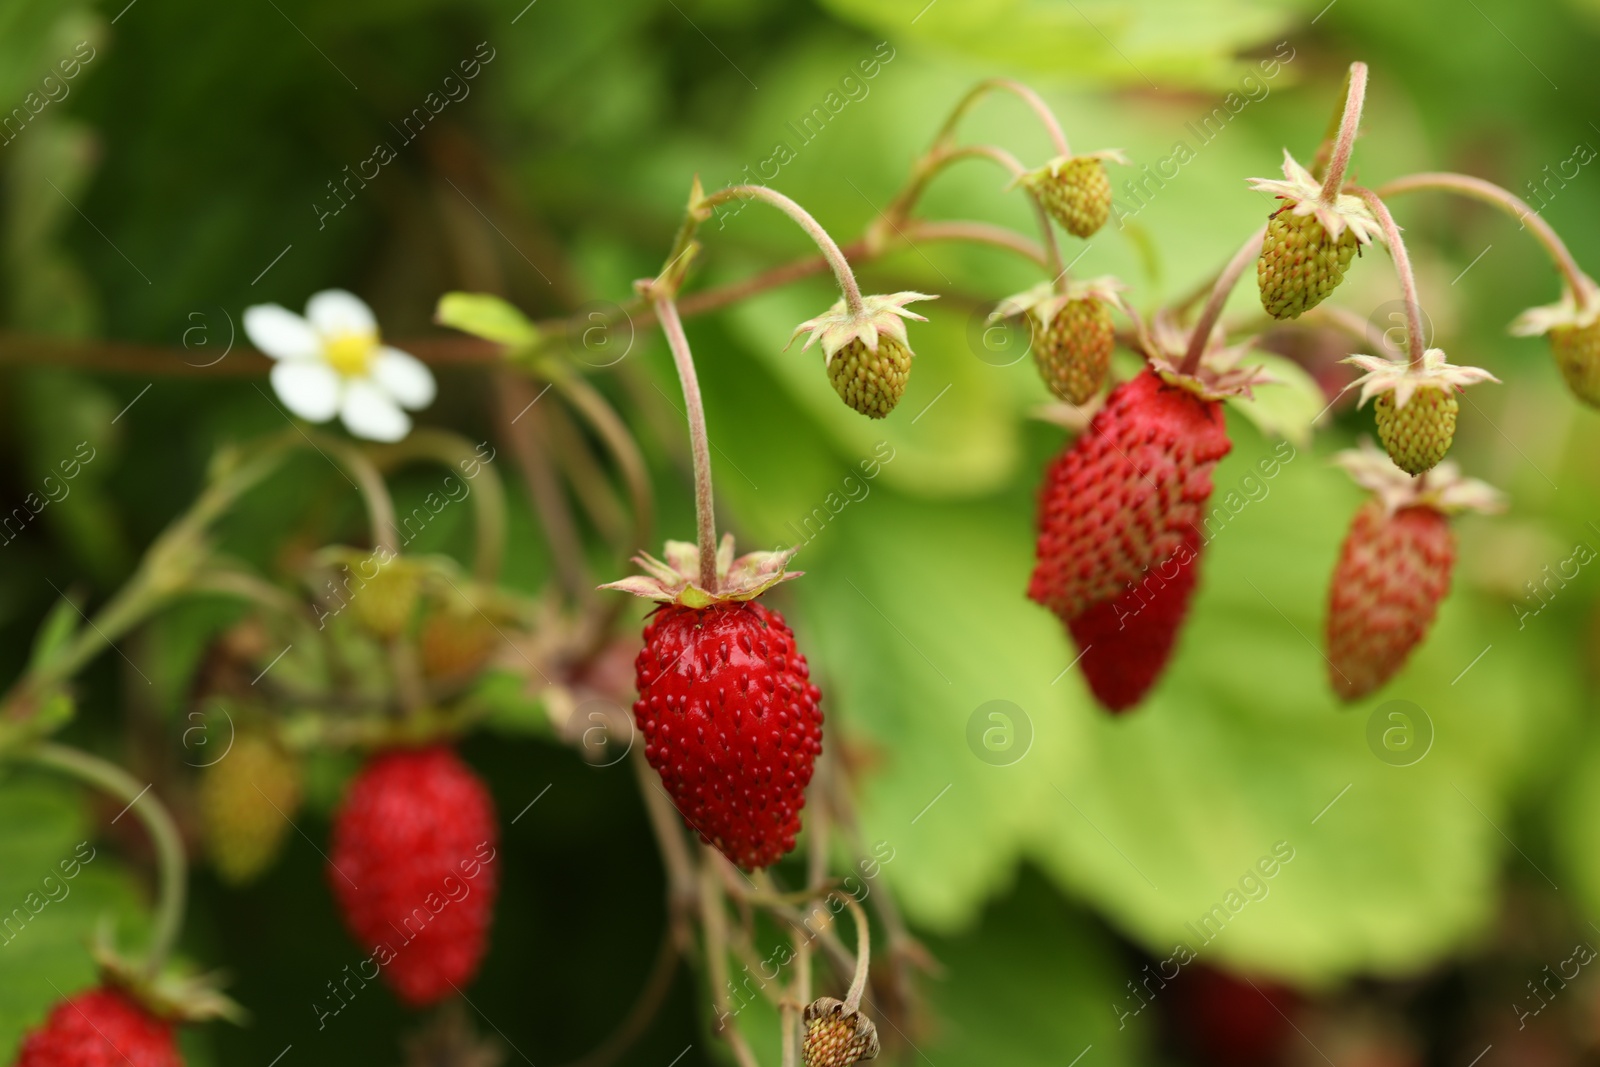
(150, 201)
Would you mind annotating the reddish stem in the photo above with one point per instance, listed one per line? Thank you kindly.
(699, 441)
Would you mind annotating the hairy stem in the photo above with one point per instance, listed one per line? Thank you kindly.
(163, 834)
(1582, 286)
(1402, 268)
(1355, 93)
(714, 921)
(699, 442)
(1219, 296)
(813, 228)
(858, 984)
(1034, 101)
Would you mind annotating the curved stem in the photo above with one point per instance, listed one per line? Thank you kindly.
(979, 233)
(858, 985)
(457, 454)
(163, 834)
(613, 433)
(1219, 296)
(939, 158)
(1355, 93)
(1582, 286)
(804, 219)
(369, 482)
(1028, 96)
(699, 442)
(1402, 268)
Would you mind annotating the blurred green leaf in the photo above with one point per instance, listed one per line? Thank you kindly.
(486, 316)
(55, 886)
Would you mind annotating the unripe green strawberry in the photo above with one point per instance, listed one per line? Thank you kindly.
(1418, 435)
(456, 643)
(1577, 352)
(1300, 264)
(388, 600)
(1073, 335)
(837, 1036)
(1416, 405)
(1309, 241)
(246, 801)
(865, 350)
(1573, 326)
(871, 382)
(1076, 192)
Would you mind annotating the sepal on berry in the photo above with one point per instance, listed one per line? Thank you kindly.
(1398, 376)
(1416, 408)
(172, 994)
(1043, 302)
(838, 326)
(1164, 343)
(676, 580)
(1302, 195)
(1443, 489)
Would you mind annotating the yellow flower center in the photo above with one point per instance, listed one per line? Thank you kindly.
(351, 354)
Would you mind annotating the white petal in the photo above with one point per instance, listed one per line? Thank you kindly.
(406, 378)
(307, 387)
(334, 311)
(280, 333)
(369, 412)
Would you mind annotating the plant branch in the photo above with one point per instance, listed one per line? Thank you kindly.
(1582, 286)
(803, 218)
(1402, 268)
(1220, 291)
(163, 834)
(1047, 118)
(456, 454)
(699, 442)
(1355, 93)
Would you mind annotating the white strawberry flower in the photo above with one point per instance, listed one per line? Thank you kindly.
(331, 362)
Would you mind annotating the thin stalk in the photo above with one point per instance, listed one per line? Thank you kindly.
(1402, 268)
(1355, 94)
(714, 921)
(803, 219)
(980, 233)
(163, 834)
(1219, 296)
(940, 157)
(457, 454)
(369, 482)
(699, 442)
(1582, 286)
(1034, 101)
(858, 985)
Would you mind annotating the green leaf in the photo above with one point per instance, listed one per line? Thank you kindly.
(55, 886)
(486, 316)
(1284, 408)
(1165, 43)
(54, 633)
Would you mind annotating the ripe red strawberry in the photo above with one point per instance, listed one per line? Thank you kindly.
(729, 715)
(732, 724)
(1127, 494)
(412, 867)
(100, 1028)
(1394, 568)
(1393, 571)
(1126, 642)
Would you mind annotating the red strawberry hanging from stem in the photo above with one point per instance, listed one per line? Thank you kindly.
(1394, 567)
(729, 714)
(1121, 509)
